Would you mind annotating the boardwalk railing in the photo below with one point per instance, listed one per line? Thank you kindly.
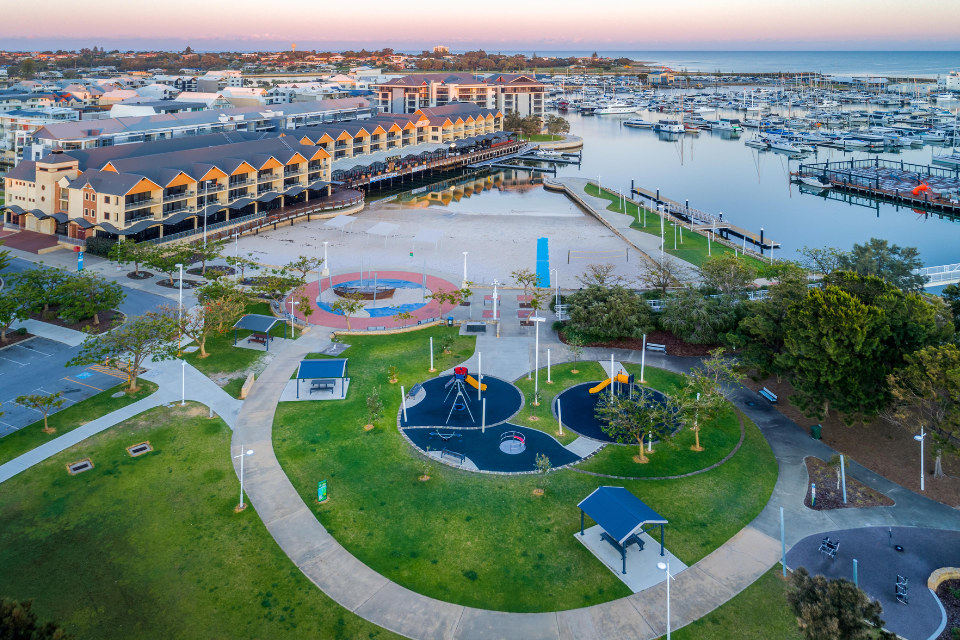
(944, 274)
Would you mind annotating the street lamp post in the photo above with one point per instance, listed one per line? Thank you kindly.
(183, 382)
(557, 284)
(180, 313)
(920, 439)
(665, 566)
(536, 355)
(293, 325)
(243, 454)
(465, 268)
(326, 269)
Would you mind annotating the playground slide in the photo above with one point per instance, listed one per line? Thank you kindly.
(473, 383)
(621, 378)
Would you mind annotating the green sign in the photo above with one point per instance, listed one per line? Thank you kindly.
(321, 491)
(411, 254)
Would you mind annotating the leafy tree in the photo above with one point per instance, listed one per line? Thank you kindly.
(823, 261)
(697, 319)
(926, 394)
(557, 125)
(575, 344)
(37, 287)
(348, 305)
(513, 122)
(5, 258)
(208, 252)
(19, 622)
(12, 308)
(212, 316)
(543, 466)
(153, 335)
(834, 609)
(166, 259)
(630, 419)
(375, 405)
(889, 262)
(241, 264)
(601, 275)
(453, 298)
(129, 252)
(704, 395)
(275, 285)
(727, 273)
(760, 333)
(44, 404)
(525, 278)
(664, 275)
(87, 295)
(609, 313)
(402, 318)
(304, 265)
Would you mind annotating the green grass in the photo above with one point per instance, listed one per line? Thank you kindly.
(223, 358)
(694, 248)
(562, 379)
(234, 386)
(475, 539)
(542, 137)
(150, 547)
(759, 612)
(73, 416)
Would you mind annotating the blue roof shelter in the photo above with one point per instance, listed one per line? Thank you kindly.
(260, 325)
(622, 516)
(327, 369)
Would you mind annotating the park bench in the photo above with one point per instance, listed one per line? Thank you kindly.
(659, 348)
(459, 457)
(829, 548)
(527, 323)
(414, 390)
(769, 395)
(328, 385)
(259, 338)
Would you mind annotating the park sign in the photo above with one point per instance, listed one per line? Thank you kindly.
(322, 491)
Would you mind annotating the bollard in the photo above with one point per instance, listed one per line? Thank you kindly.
(813, 495)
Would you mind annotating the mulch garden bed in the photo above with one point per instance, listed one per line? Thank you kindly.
(107, 319)
(141, 275)
(212, 271)
(949, 594)
(882, 447)
(187, 284)
(13, 338)
(829, 496)
(675, 346)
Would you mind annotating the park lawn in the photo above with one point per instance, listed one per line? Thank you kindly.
(226, 360)
(694, 247)
(75, 415)
(589, 370)
(150, 547)
(543, 137)
(484, 540)
(759, 612)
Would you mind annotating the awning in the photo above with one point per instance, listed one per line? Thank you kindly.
(257, 322)
(294, 191)
(83, 223)
(619, 512)
(14, 208)
(267, 197)
(241, 203)
(327, 368)
(317, 184)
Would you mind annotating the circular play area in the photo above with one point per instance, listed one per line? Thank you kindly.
(384, 294)
(578, 406)
(454, 402)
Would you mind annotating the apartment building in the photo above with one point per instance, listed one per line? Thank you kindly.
(154, 189)
(18, 126)
(505, 92)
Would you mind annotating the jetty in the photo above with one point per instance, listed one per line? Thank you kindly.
(704, 220)
(528, 153)
(924, 188)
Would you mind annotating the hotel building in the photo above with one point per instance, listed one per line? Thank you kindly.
(509, 93)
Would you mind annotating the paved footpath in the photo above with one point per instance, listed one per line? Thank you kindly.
(174, 381)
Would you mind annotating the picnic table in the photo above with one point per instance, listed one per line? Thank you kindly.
(489, 314)
(523, 314)
(259, 338)
(489, 299)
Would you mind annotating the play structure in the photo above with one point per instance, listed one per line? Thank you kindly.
(456, 384)
(620, 378)
(513, 442)
(455, 401)
(920, 188)
(509, 449)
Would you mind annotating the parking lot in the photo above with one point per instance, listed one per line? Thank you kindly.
(38, 366)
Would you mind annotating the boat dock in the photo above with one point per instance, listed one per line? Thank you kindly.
(925, 188)
(527, 153)
(705, 221)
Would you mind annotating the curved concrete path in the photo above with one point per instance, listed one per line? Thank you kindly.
(697, 591)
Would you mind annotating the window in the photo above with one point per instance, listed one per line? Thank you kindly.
(106, 199)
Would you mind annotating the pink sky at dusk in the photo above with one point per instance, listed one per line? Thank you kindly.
(503, 24)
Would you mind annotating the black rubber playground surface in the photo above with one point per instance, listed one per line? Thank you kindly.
(483, 448)
(879, 564)
(503, 402)
(578, 408)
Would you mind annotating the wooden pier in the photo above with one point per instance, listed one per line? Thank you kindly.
(705, 221)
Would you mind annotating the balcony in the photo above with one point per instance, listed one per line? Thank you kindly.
(241, 183)
(293, 172)
(268, 178)
(178, 196)
(137, 204)
(214, 188)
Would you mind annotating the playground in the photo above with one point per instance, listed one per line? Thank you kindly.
(455, 402)
(577, 405)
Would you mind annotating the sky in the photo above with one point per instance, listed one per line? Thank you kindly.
(495, 25)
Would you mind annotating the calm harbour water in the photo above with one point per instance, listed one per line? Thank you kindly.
(720, 174)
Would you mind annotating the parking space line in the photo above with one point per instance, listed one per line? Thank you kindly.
(13, 361)
(84, 384)
(46, 355)
(49, 393)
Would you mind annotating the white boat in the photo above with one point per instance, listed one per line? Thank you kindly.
(548, 154)
(946, 97)
(668, 126)
(951, 159)
(615, 108)
(781, 144)
(640, 123)
(727, 124)
(814, 182)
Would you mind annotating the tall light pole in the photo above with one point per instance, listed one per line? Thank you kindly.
(326, 269)
(183, 382)
(557, 285)
(180, 313)
(243, 454)
(536, 355)
(665, 566)
(465, 268)
(204, 230)
(293, 325)
(920, 439)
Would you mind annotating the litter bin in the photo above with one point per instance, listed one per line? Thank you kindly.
(815, 432)
(449, 321)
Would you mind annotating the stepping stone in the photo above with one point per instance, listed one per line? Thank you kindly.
(118, 394)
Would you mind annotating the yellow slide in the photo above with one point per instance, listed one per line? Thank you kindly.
(621, 378)
(473, 383)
